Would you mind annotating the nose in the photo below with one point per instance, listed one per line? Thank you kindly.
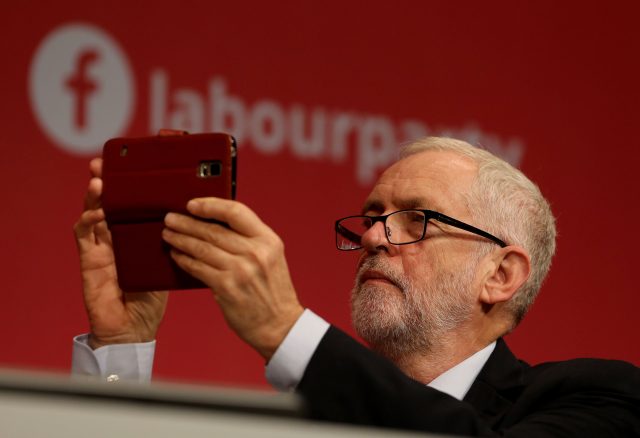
(374, 239)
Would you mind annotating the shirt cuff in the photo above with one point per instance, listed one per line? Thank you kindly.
(132, 362)
(287, 365)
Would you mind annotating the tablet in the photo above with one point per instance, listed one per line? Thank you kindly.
(144, 179)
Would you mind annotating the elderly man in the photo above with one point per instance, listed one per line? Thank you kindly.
(454, 243)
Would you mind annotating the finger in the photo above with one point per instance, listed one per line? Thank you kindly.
(92, 199)
(102, 233)
(92, 227)
(200, 270)
(84, 229)
(197, 249)
(237, 215)
(215, 234)
(87, 221)
(95, 167)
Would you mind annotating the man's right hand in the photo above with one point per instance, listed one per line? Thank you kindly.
(114, 317)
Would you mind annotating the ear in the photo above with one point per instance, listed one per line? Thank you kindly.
(507, 269)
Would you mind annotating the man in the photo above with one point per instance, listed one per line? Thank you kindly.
(455, 244)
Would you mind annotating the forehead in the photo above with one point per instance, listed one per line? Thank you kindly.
(436, 180)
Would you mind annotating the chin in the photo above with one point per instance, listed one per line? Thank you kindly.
(375, 299)
(376, 314)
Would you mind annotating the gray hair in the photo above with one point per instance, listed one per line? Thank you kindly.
(504, 202)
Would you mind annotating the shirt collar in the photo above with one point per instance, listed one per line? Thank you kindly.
(456, 381)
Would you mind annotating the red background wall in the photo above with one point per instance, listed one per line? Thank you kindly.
(559, 80)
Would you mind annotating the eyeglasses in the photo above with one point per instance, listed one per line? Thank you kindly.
(401, 228)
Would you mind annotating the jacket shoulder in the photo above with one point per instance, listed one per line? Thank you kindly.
(588, 374)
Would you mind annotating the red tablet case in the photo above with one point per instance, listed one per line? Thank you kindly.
(144, 179)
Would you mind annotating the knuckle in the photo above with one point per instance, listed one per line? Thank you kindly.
(226, 283)
(212, 234)
(244, 272)
(180, 259)
(258, 253)
(199, 249)
(273, 249)
(234, 209)
(241, 270)
(277, 243)
(260, 256)
(188, 264)
(237, 209)
(250, 272)
(196, 267)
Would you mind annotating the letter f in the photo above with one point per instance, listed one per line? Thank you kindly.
(81, 86)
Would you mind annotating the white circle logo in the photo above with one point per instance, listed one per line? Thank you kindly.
(81, 89)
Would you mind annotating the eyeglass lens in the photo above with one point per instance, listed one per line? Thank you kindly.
(400, 227)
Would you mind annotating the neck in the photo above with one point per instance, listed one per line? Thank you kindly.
(451, 349)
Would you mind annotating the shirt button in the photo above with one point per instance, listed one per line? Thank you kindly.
(113, 378)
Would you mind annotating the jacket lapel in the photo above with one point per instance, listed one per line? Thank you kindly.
(498, 385)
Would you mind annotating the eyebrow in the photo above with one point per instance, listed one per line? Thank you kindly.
(405, 204)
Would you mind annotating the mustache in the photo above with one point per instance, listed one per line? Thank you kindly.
(376, 263)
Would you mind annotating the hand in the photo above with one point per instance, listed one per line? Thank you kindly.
(114, 317)
(243, 264)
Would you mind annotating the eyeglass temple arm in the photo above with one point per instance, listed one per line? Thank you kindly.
(456, 223)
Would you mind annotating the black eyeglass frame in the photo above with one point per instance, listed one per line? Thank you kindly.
(428, 215)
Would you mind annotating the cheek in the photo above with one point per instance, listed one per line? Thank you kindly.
(419, 264)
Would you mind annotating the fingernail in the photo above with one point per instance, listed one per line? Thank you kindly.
(193, 204)
(170, 218)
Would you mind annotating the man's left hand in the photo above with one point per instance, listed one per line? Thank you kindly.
(243, 264)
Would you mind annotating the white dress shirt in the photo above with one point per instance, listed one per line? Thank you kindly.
(113, 362)
(284, 371)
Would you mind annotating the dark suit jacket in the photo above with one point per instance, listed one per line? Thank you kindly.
(346, 382)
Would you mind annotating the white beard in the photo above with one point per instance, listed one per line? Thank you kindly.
(395, 325)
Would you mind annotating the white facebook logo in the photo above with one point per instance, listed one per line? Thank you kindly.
(81, 88)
